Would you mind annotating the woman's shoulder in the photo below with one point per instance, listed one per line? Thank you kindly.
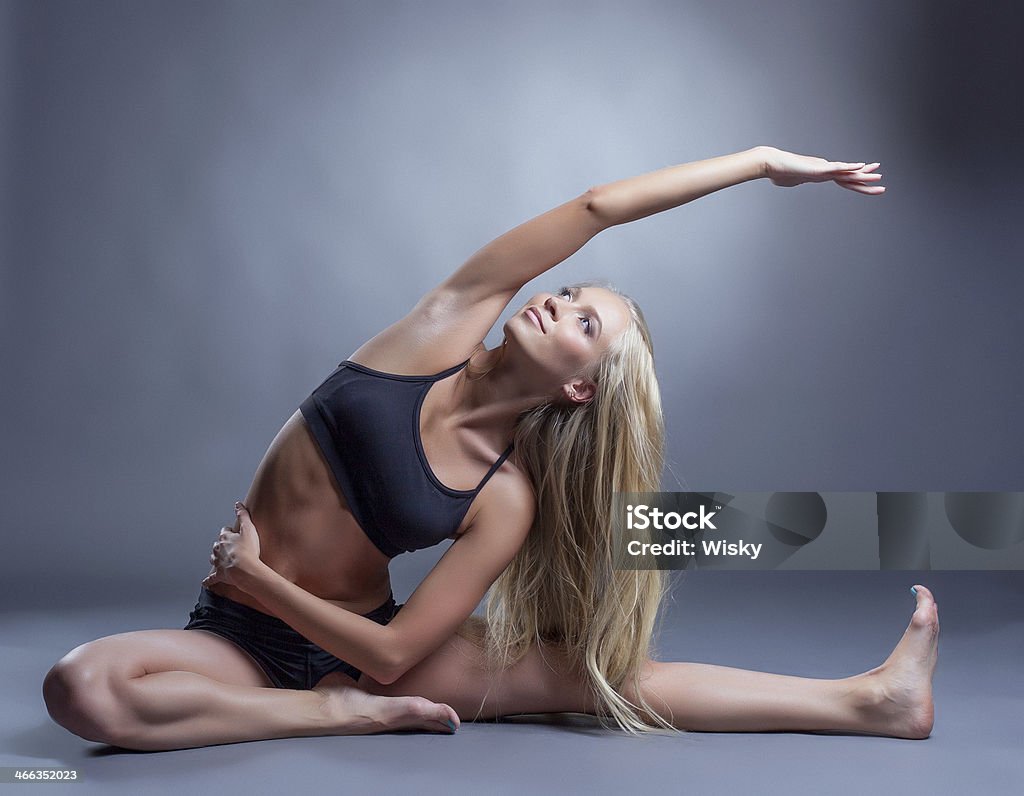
(508, 500)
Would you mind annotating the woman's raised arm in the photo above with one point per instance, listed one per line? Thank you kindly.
(525, 252)
(508, 262)
(637, 197)
(449, 322)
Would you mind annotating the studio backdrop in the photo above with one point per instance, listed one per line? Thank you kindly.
(207, 206)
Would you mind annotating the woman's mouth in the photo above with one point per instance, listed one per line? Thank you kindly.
(534, 313)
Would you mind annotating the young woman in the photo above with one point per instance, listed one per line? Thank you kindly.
(514, 452)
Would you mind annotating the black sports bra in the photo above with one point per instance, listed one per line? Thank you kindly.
(367, 424)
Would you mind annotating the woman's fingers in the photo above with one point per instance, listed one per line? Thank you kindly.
(858, 185)
(243, 515)
(854, 168)
(862, 176)
(862, 179)
(861, 187)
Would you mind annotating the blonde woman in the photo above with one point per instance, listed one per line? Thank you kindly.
(423, 434)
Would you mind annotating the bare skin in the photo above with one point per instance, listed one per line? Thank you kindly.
(893, 699)
(175, 689)
(168, 689)
(900, 690)
(226, 698)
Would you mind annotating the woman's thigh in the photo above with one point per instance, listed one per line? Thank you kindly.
(89, 690)
(88, 677)
(141, 652)
(457, 675)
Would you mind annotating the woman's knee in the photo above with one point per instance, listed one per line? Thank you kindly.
(79, 696)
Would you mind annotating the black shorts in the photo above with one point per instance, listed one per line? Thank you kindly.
(289, 659)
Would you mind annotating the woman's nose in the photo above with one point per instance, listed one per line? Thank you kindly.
(551, 305)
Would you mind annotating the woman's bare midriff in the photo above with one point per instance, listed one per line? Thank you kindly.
(307, 533)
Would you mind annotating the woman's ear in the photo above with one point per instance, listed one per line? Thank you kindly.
(579, 391)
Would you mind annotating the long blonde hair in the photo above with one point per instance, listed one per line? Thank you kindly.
(561, 587)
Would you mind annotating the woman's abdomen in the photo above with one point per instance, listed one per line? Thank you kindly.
(307, 534)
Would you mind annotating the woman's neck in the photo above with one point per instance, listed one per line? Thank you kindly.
(492, 403)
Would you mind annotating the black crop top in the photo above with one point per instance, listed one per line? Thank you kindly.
(367, 424)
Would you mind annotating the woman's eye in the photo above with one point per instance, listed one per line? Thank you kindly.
(584, 319)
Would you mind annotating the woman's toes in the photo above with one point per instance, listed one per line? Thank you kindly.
(923, 594)
(430, 715)
(448, 717)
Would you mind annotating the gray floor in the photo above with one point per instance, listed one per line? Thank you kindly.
(821, 624)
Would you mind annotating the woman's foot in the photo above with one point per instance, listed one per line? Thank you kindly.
(351, 711)
(896, 697)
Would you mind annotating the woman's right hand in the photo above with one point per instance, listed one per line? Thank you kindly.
(787, 170)
(236, 554)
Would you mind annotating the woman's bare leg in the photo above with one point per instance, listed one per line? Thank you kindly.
(893, 699)
(174, 689)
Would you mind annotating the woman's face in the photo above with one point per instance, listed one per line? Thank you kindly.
(564, 333)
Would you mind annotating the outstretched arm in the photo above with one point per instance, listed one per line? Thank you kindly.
(637, 197)
(448, 323)
(520, 255)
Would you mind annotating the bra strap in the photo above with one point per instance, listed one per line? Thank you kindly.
(495, 466)
(448, 372)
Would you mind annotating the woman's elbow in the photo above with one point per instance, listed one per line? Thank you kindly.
(387, 675)
(595, 202)
(391, 664)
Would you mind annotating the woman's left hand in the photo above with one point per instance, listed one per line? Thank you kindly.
(235, 555)
(787, 170)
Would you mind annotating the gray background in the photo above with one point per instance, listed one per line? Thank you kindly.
(206, 206)
(211, 204)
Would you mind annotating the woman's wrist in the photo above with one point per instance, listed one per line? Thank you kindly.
(764, 155)
(251, 578)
